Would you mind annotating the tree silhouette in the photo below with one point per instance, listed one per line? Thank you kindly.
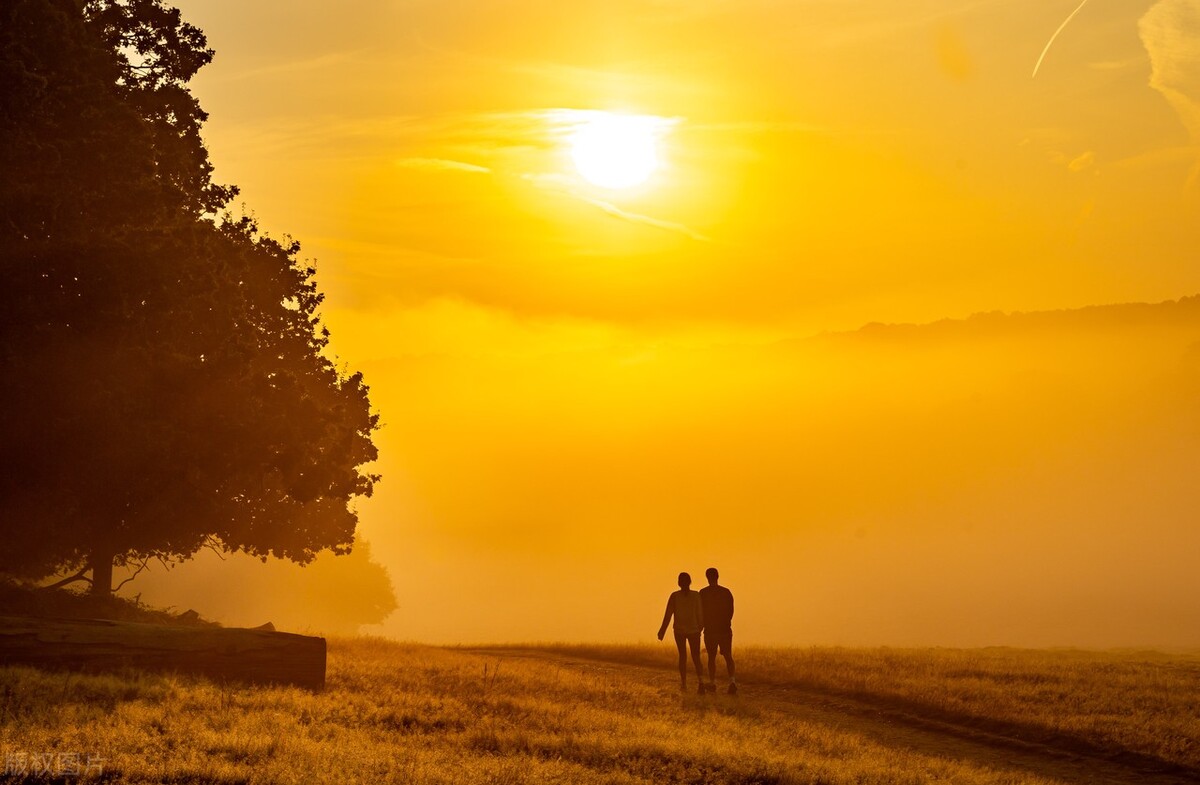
(166, 378)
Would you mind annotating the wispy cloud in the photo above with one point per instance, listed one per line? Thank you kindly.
(1082, 162)
(1170, 31)
(317, 63)
(1118, 65)
(441, 165)
(763, 126)
(1074, 163)
(563, 122)
(562, 185)
(669, 226)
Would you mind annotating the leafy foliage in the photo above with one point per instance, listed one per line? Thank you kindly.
(166, 379)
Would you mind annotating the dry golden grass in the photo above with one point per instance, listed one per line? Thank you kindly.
(1139, 702)
(413, 714)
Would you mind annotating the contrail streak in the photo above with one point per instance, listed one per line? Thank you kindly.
(1050, 43)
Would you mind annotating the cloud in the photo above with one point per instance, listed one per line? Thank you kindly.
(559, 184)
(1118, 65)
(1170, 31)
(765, 127)
(1084, 161)
(562, 122)
(441, 165)
(669, 226)
(325, 62)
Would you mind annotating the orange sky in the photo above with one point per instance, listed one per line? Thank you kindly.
(585, 391)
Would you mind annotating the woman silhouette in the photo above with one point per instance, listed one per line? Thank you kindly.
(685, 606)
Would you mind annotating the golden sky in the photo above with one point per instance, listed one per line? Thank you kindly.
(586, 390)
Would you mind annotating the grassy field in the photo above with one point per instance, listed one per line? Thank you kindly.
(1141, 702)
(402, 713)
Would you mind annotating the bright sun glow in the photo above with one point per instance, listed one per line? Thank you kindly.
(616, 151)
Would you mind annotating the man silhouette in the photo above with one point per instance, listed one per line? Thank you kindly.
(685, 606)
(717, 604)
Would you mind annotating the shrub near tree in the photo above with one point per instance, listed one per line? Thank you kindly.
(166, 383)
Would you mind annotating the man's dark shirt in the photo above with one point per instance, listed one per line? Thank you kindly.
(717, 602)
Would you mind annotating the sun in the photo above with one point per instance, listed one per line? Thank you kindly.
(615, 150)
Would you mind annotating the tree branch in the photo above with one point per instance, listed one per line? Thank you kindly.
(210, 542)
(79, 576)
(145, 563)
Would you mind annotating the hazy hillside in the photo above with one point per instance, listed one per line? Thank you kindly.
(1006, 478)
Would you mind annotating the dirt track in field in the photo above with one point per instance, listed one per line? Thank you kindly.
(996, 746)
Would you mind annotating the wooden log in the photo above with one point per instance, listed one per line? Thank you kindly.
(223, 653)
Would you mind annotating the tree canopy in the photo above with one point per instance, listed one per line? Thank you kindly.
(167, 382)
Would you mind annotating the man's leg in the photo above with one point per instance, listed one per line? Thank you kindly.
(727, 651)
(710, 644)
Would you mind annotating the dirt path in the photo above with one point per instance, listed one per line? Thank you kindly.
(905, 726)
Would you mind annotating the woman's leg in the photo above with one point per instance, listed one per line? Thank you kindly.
(694, 642)
(681, 644)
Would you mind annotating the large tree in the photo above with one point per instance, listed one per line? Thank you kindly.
(166, 382)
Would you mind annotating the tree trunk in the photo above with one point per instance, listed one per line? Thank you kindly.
(102, 569)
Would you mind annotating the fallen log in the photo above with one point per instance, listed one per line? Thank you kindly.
(222, 653)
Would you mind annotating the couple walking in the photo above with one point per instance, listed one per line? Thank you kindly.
(710, 611)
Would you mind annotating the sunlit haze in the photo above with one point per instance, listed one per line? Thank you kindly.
(825, 294)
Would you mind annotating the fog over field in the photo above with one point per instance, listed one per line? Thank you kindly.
(1022, 479)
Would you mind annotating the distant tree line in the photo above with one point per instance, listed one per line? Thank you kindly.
(166, 384)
